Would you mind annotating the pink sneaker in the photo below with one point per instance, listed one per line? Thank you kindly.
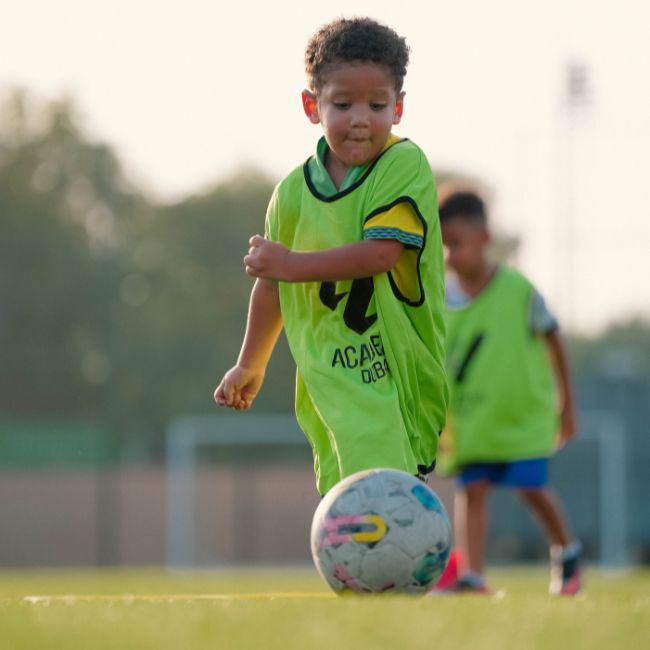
(465, 585)
(450, 574)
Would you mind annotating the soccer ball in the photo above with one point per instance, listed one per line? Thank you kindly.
(380, 530)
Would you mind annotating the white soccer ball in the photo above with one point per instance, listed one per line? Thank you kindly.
(381, 530)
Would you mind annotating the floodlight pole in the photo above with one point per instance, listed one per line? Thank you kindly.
(576, 97)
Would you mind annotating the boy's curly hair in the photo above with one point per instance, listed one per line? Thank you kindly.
(355, 39)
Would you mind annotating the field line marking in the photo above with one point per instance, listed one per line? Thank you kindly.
(80, 598)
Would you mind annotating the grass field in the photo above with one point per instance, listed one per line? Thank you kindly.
(287, 609)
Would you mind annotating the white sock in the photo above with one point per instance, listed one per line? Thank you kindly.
(563, 553)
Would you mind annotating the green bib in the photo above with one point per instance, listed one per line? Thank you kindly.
(370, 388)
(503, 398)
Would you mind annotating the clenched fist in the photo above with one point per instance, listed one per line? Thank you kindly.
(267, 259)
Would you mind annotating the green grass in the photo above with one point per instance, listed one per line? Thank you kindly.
(613, 613)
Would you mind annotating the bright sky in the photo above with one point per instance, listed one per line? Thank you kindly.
(188, 91)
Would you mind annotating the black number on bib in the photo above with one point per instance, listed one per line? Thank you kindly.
(469, 355)
(359, 297)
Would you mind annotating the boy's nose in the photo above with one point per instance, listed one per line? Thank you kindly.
(359, 117)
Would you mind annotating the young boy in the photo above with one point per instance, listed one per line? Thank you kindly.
(351, 265)
(503, 351)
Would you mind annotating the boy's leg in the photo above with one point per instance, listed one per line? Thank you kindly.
(470, 522)
(470, 525)
(474, 523)
(547, 511)
(565, 549)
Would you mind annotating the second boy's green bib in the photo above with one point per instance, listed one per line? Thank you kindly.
(503, 400)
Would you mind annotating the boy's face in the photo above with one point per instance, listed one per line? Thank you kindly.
(465, 246)
(357, 106)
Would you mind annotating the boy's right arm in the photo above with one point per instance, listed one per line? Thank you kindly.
(242, 382)
(359, 259)
(560, 361)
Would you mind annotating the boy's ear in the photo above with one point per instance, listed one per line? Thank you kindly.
(399, 108)
(310, 106)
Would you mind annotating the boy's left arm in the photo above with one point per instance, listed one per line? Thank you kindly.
(362, 259)
(560, 361)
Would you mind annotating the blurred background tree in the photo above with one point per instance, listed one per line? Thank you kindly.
(114, 308)
(64, 206)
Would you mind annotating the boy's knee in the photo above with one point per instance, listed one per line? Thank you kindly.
(477, 490)
(531, 494)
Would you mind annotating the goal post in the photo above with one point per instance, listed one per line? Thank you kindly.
(186, 437)
(191, 438)
(608, 430)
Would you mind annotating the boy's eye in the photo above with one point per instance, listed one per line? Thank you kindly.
(342, 105)
(377, 106)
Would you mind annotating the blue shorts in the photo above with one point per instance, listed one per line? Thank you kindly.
(529, 473)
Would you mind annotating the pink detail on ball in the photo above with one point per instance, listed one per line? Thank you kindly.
(342, 574)
(332, 527)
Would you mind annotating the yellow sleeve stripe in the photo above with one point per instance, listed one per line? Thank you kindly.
(400, 222)
(406, 277)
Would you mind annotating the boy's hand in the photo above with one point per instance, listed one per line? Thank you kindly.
(568, 427)
(267, 259)
(238, 388)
